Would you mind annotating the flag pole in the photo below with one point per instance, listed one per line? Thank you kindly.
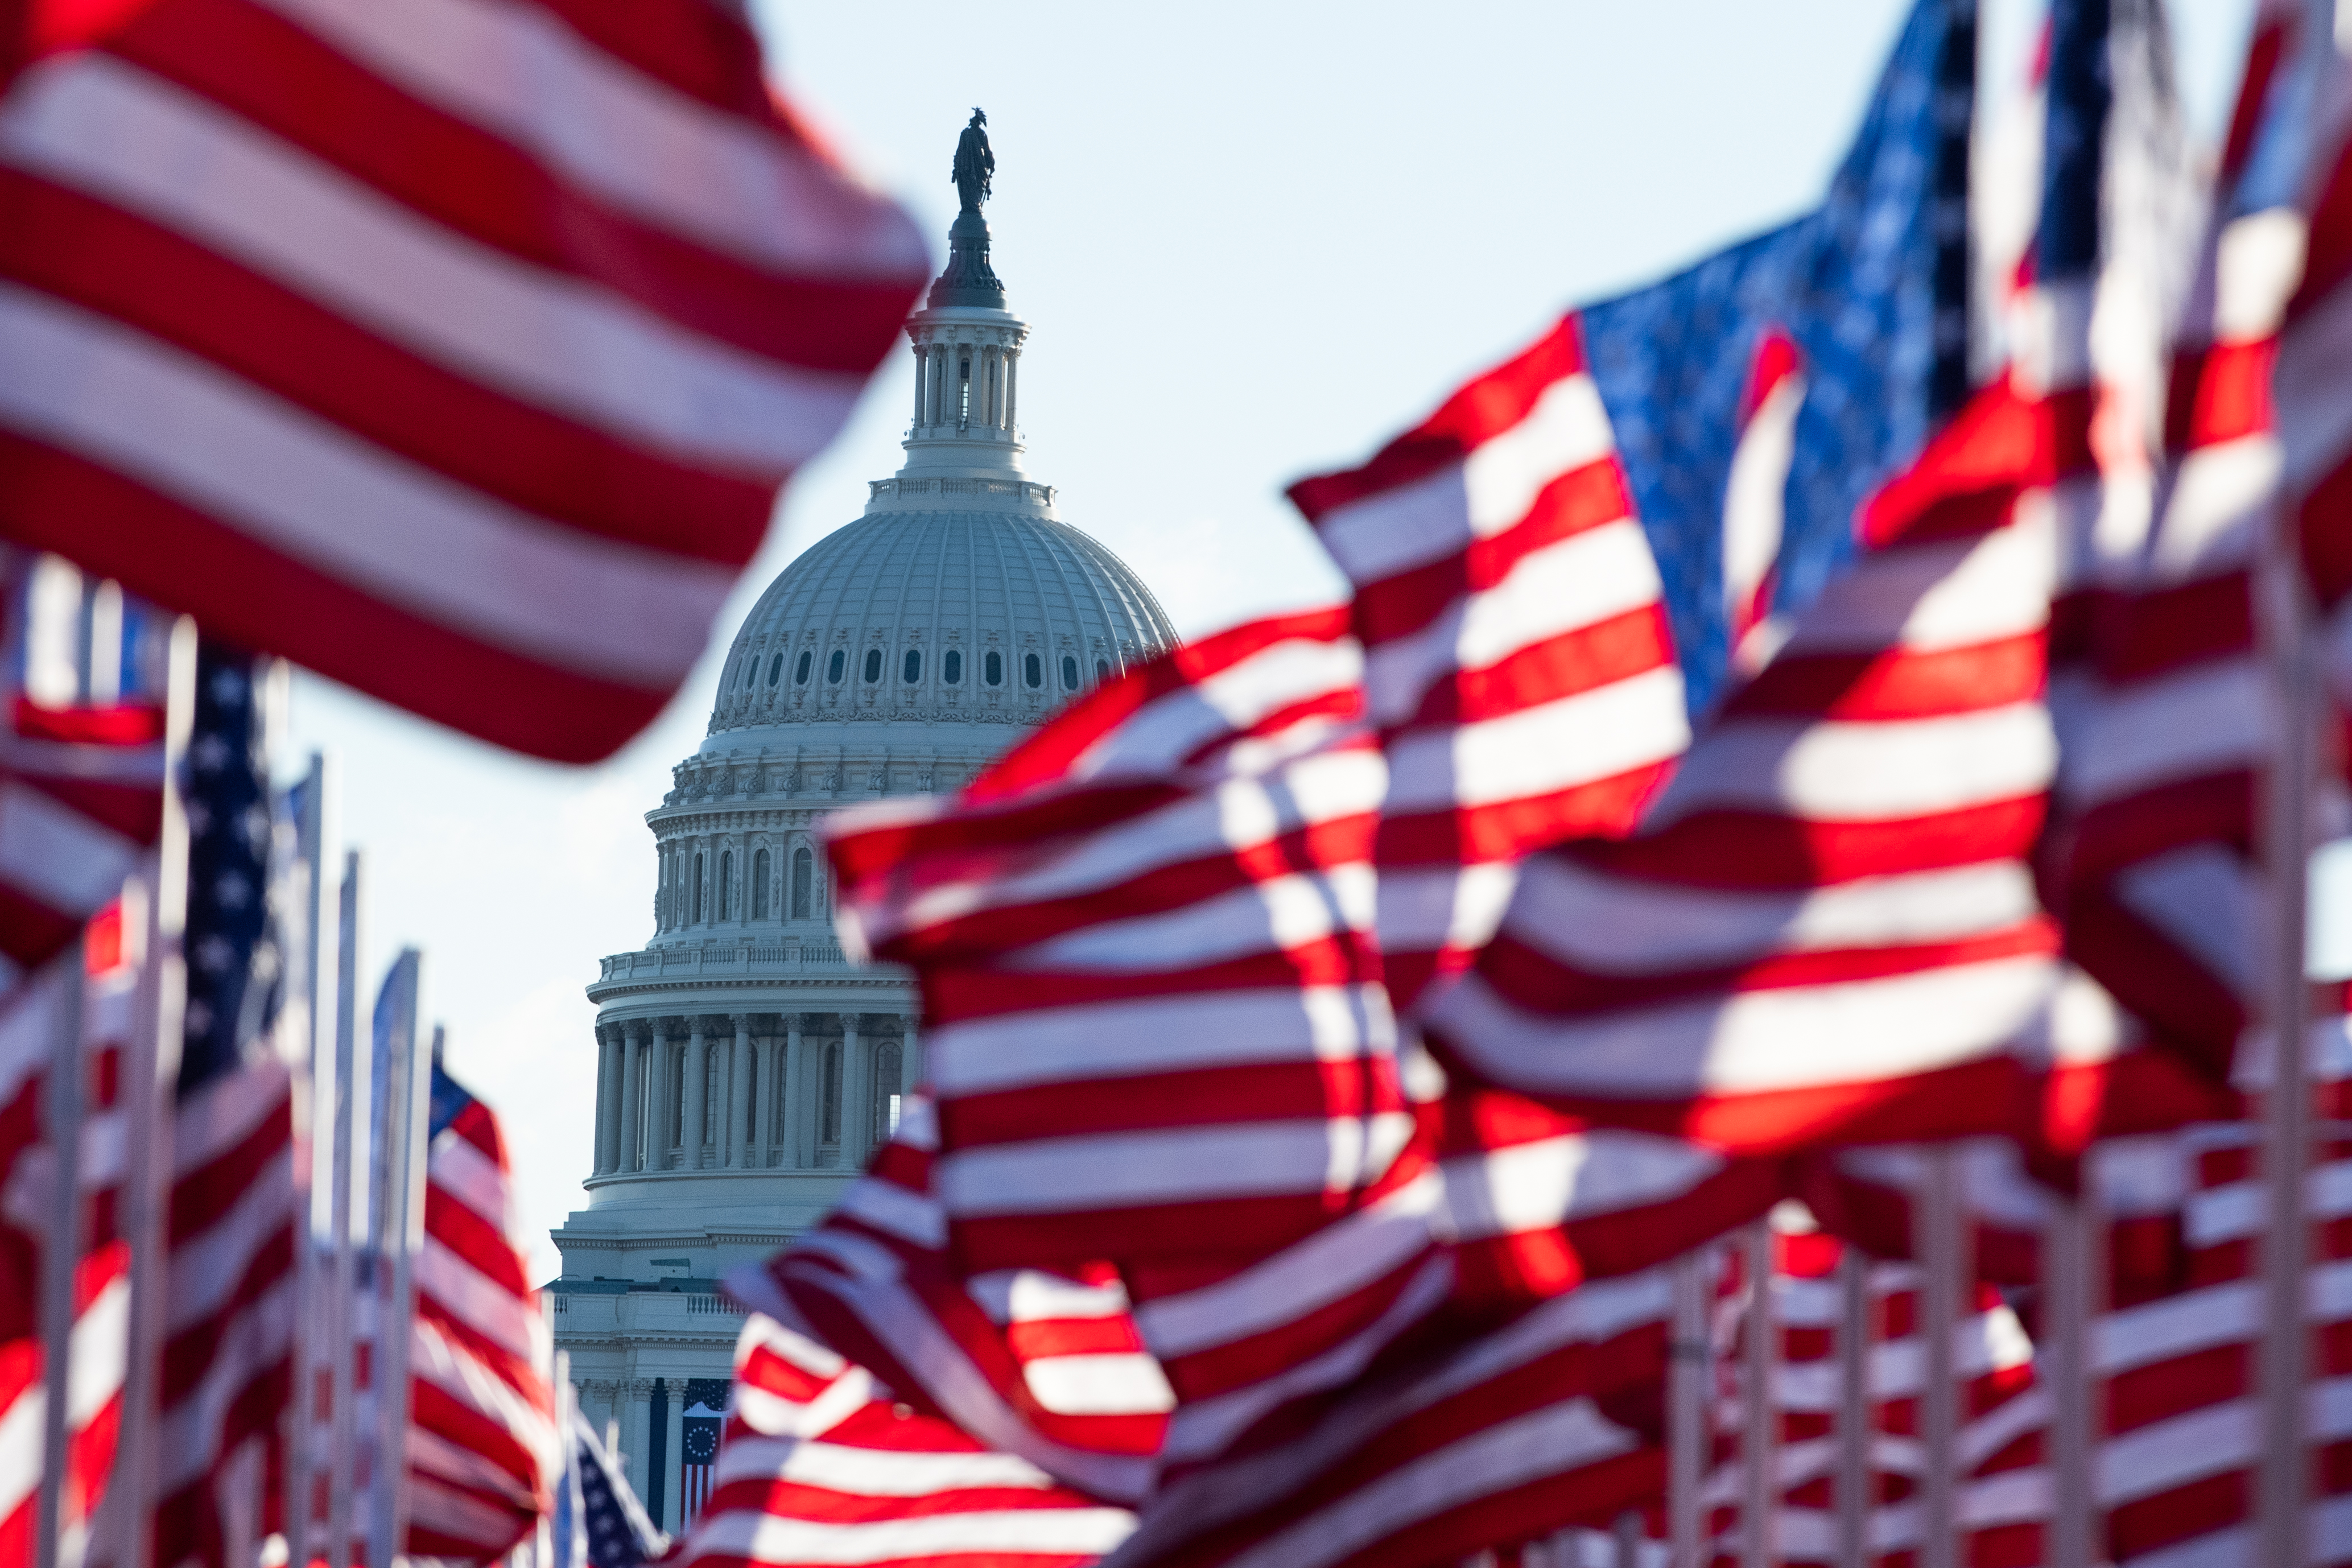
(1687, 1411)
(1853, 1433)
(301, 1446)
(2074, 1245)
(2282, 1478)
(344, 1263)
(1760, 1447)
(151, 1069)
(1941, 1243)
(401, 1165)
(61, 1248)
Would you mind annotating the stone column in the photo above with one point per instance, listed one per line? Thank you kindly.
(857, 1092)
(636, 1430)
(630, 1154)
(738, 1093)
(697, 1093)
(605, 1107)
(1012, 390)
(763, 1114)
(674, 1457)
(918, 383)
(659, 1110)
(800, 1134)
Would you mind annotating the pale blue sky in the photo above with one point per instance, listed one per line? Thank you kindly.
(1251, 241)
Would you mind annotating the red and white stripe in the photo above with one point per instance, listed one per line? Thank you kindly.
(99, 1343)
(2311, 384)
(2166, 714)
(821, 1464)
(1045, 1364)
(227, 1365)
(428, 342)
(1755, 497)
(81, 799)
(483, 1448)
(1155, 1023)
(2002, 1491)
(2182, 1438)
(1519, 662)
(1827, 926)
(1529, 1429)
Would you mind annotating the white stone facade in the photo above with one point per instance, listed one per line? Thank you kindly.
(745, 1068)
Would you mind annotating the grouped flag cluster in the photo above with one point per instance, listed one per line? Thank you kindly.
(1799, 735)
(1792, 765)
(423, 343)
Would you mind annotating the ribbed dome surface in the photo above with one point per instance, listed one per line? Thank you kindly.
(948, 599)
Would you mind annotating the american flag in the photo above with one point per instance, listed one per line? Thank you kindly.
(612, 1529)
(483, 1447)
(1047, 1365)
(823, 1464)
(81, 778)
(1543, 579)
(425, 341)
(1806, 1306)
(1829, 926)
(226, 1369)
(1154, 1016)
(30, 1019)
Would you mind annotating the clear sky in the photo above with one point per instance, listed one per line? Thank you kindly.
(1251, 241)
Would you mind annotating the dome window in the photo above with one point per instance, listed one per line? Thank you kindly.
(698, 890)
(760, 886)
(873, 665)
(726, 885)
(801, 670)
(1069, 673)
(775, 669)
(994, 668)
(1102, 669)
(803, 875)
(1032, 671)
(914, 666)
(833, 669)
(951, 666)
(885, 1103)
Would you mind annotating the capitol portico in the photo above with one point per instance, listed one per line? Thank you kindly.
(745, 1068)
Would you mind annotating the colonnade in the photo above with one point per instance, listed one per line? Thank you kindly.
(700, 1091)
(939, 385)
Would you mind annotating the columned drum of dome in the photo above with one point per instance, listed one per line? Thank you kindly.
(744, 1067)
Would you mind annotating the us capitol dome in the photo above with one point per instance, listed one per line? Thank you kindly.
(745, 1068)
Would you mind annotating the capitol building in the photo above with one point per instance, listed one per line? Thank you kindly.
(745, 1068)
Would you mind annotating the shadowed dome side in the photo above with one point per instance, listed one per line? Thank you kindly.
(976, 617)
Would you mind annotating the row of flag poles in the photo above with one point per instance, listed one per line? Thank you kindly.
(1741, 1000)
(292, 1320)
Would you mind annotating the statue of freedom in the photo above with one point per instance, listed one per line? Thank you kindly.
(973, 163)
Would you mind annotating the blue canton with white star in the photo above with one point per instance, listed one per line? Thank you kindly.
(235, 968)
(1871, 286)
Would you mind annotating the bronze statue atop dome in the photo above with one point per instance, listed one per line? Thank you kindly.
(973, 163)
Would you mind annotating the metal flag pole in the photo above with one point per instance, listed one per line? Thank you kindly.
(2287, 617)
(1854, 1435)
(401, 1166)
(1686, 1428)
(1941, 1241)
(2073, 1247)
(343, 1294)
(1759, 1447)
(61, 1248)
(150, 1068)
(308, 991)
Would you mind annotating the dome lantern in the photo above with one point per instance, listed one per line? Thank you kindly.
(968, 355)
